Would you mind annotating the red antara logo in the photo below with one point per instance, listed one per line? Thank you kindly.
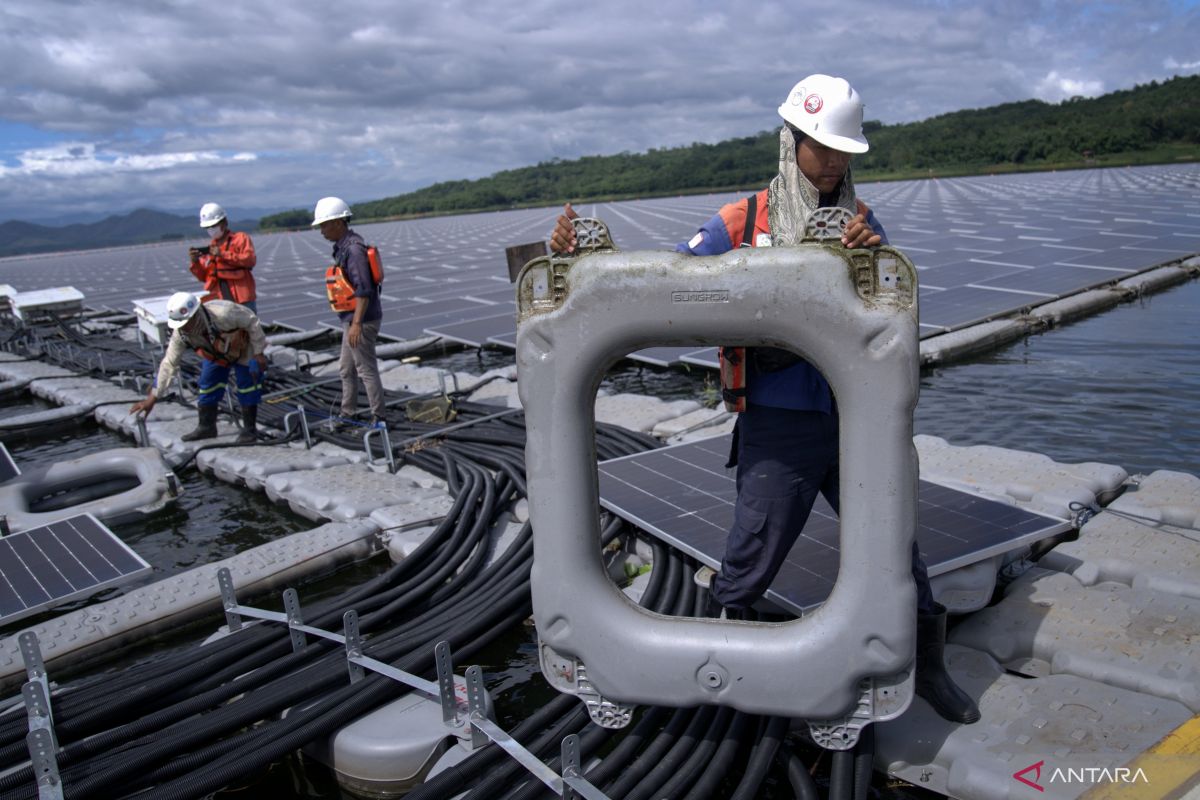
(1036, 769)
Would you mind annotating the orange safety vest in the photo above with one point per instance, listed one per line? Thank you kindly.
(733, 359)
(228, 347)
(228, 276)
(338, 288)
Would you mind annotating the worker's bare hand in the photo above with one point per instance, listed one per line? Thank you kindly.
(143, 406)
(354, 334)
(562, 238)
(859, 233)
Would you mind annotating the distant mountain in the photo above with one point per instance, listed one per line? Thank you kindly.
(80, 218)
(137, 227)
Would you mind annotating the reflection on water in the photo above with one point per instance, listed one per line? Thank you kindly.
(210, 521)
(1121, 388)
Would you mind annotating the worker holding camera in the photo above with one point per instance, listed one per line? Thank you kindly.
(224, 267)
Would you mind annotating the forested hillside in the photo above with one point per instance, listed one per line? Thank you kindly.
(1151, 123)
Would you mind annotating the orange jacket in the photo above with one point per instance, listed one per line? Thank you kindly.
(227, 276)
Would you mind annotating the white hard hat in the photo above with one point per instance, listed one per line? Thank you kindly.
(827, 109)
(211, 214)
(330, 208)
(181, 307)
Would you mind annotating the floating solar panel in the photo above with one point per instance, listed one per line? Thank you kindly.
(702, 358)
(1055, 280)
(962, 233)
(660, 356)
(476, 333)
(685, 496)
(508, 340)
(966, 305)
(8, 467)
(65, 560)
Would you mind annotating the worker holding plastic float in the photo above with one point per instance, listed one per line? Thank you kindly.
(352, 283)
(786, 438)
(227, 336)
(224, 266)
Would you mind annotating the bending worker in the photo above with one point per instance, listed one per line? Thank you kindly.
(224, 267)
(786, 437)
(226, 336)
(353, 287)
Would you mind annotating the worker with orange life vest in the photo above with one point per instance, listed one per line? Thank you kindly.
(224, 266)
(352, 284)
(786, 437)
(227, 336)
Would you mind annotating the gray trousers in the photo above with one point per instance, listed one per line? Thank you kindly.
(358, 363)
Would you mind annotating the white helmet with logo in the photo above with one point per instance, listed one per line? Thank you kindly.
(827, 109)
(181, 307)
(211, 214)
(330, 208)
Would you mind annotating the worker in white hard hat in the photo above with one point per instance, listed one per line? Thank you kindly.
(786, 437)
(227, 336)
(225, 264)
(354, 295)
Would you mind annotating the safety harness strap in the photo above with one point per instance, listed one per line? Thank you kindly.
(751, 218)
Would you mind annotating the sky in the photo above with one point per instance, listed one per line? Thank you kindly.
(110, 106)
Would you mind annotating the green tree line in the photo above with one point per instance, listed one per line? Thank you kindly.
(1152, 122)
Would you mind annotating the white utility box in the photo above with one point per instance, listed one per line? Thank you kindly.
(152, 318)
(62, 301)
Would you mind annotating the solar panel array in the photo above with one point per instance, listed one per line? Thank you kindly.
(685, 496)
(985, 246)
(50, 565)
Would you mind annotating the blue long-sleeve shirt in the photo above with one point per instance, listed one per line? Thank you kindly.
(800, 386)
(350, 253)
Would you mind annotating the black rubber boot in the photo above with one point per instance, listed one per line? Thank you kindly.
(714, 610)
(206, 428)
(934, 684)
(249, 433)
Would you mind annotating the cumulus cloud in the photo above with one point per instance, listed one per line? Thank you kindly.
(1055, 87)
(75, 159)
(277, 104)
(1186, 66)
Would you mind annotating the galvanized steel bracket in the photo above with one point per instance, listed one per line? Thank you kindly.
(851, 313)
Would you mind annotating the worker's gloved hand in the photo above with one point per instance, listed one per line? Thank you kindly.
(258, 367)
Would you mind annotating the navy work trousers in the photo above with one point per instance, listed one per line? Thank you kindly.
(784, 459)
(213, 379)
